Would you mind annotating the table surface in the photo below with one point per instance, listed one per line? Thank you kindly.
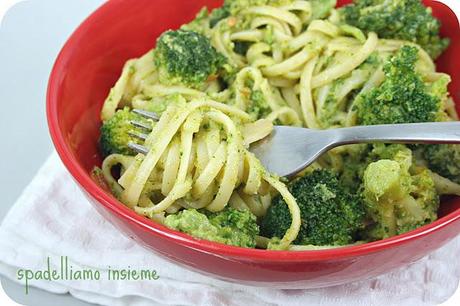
(31, 35)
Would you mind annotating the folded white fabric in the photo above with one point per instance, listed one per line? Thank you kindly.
(52, 218)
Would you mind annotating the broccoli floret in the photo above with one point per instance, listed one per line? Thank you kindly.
(444, 159)
(329, 214)
(403, 97)
(398, 196)
(406, 20)
(229, 226)
(115, 136)
(187, 57)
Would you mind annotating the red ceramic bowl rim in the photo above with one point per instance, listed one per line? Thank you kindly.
(117, 208)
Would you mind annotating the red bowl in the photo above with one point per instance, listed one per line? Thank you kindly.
(87, 67)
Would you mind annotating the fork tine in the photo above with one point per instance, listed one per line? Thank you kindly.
(146, 114)
(141, 125)
(138, 148)
(138, 135)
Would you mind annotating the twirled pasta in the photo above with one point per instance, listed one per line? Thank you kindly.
(202, 167)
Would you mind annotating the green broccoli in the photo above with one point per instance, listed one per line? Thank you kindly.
(403, 97)
(406, 20)
(229, 226)
(115, 132)
(443, 159)
(399, 197)
(188, 58)
(329, 214)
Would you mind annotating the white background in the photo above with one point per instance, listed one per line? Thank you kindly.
(7, 4)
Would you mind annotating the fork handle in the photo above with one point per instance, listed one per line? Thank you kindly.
(437, 133)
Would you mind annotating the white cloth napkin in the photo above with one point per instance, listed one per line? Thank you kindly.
(53, 219)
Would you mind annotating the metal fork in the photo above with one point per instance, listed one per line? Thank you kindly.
(289, 150)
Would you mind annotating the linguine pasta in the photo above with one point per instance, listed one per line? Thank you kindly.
(198, 151)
